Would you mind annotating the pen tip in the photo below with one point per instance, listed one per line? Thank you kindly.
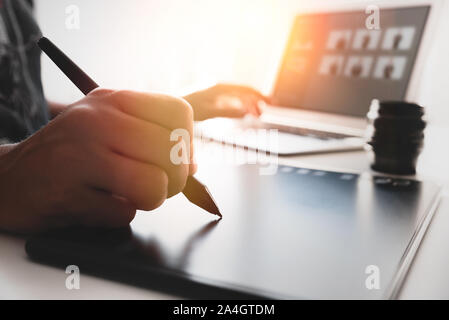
(198, 194)
(212, 208)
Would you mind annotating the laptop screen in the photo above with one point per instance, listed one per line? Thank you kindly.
(338, 62)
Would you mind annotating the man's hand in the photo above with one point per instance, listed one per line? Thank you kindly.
(95, 164)
(224, 100)
(55, 108)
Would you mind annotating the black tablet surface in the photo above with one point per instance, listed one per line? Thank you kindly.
(299, 233)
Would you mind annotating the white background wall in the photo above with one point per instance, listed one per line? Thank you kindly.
(169, 45)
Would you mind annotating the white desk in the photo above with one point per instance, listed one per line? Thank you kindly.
(427, 279)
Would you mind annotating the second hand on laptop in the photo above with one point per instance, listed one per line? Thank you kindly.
(195, 191)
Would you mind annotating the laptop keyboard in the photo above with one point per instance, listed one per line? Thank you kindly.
(322, 135)
(290, 140)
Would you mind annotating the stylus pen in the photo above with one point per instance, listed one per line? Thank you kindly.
(195, 191)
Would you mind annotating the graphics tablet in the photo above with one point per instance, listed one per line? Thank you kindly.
(297, 234)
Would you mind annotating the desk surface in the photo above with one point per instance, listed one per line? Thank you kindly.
(427, 279)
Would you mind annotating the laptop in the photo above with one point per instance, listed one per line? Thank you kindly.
(333, 66)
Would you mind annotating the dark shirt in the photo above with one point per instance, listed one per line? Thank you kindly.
(23, 108)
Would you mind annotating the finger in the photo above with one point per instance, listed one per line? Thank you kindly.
(150, 143)
(92, 207)
(229, 106)
(193, 168)
(171, 113)
(250, 97)
(239, 89)
(258, 110)
(226, 111)
(143, 185)
(100, 92)
(252, 104)
(256, 105)
(193, 164)
(101, 209)
(230, 112)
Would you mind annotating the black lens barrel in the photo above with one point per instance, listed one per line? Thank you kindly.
(397, 136)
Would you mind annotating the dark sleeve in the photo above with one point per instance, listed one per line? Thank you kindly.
(11, 127)
(23, 108)
(31, 3)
